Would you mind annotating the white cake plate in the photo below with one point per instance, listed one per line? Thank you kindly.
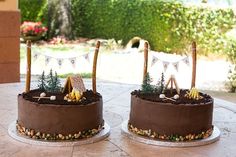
(104, 133)
(213, 138)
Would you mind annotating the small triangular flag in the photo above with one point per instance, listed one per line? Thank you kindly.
(47, 60)
(154, 60)
(72, 61)
(165, 65)
(176, 65)
(86, 56)
(59, 61)
(186, 60)
(35, 56)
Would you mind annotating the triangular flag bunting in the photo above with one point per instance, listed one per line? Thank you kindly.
(47, 60)
(86, 56)
(72, 61)
(59, 61)
(165, 65)
(154, 60)
(35, 56)
(176, 65)
(186, 61)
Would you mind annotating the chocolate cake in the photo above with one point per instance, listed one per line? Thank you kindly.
(54, 119)
(55, 113)
(163, 119)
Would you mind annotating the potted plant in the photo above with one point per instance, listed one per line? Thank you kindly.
(32, 30)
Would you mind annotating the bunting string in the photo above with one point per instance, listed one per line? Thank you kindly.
(166, 64)
(73, 59)
(60, 60)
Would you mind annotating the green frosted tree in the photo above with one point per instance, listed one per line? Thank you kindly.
(162, 83)
(56, 83)
(146, 86)
(160, 86)
(42, 82)
(53, 83)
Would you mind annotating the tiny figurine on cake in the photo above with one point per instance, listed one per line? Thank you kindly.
(51, 112)
(168, 113)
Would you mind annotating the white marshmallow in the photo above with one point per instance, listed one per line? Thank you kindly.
(42, 94)
(162, 96)
(53, 97)
(176, 96)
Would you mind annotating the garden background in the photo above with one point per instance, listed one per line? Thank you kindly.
(168, 26)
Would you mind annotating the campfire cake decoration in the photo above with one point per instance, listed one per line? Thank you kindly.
(166, 113)
(51, 112)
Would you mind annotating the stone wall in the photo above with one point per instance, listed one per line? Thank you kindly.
(9, 41)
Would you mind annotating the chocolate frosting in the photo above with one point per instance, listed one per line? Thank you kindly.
(63, 119)
(170, 119)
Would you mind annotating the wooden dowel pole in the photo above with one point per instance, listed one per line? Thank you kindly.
(171, 84)
(95, 67)
(145, 60)
(28, 70)
(194, 62)
(176, 86)
(168, 82)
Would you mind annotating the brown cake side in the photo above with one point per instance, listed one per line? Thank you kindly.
(171, 119)
(59, 119)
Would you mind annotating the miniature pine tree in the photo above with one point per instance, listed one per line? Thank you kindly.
(53, 83)
(162, 83)
(42, 82)
(56, 83)
(146, 86)
(49, 86)
(160, 87)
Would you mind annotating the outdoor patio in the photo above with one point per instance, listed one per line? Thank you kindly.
(192, 42)
(116, 98)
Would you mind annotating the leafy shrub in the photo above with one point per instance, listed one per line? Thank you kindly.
(231, 53)
(167, 25)
(33, 10)
(231, 50)
(231, 83)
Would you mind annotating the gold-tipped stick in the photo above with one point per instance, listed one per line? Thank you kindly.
(145, 60)
(28, 70)
(95, 67)
(194, 62)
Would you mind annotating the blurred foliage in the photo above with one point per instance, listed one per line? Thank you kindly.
(33, 10)
(83, 75)
(231, 53)
(168, 25)
(231, 84)
(231, 50)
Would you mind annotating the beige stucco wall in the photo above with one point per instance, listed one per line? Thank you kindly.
(8, 5)
(9, 41)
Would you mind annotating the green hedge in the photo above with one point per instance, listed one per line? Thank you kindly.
(33, 10)
(168, 26)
